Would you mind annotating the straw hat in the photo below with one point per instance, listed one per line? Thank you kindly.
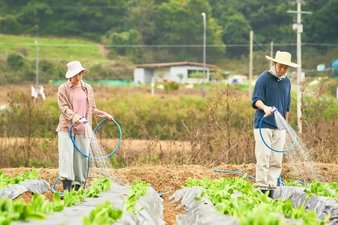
(282, 58)
(74, 68)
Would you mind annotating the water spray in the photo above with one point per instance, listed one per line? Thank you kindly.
(95, 130)
(90, 157)
(281, 125)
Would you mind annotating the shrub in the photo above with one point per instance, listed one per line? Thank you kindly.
(10, 24)
(15, 61)
(170, 86)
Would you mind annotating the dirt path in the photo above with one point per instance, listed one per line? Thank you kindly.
(167, 179)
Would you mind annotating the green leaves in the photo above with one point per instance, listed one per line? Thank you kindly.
(322, 189)
(7, 180)
(237, 197)
(73, 197)
(39, 208)
(316, 187)
(261, 216)
(57, 202)
(104, 214)
(97, 187)
(138, 189)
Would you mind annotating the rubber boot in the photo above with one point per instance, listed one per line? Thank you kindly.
(67, 185)
(270, 192)
(76, 187)
(264, 191)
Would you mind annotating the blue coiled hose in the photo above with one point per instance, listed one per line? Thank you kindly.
(275, 150)
(95, 130)
(89, 156)
(280, 182)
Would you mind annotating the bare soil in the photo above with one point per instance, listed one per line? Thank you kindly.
(167, 179)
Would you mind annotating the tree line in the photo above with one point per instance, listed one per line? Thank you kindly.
(120, 23)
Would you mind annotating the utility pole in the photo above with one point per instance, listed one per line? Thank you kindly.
(271, 52)
(152, 84)
(250, 63)
(299, 29)
(204, 50)
(37, 65)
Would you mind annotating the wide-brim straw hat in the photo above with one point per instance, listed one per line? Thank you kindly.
(74, 68)
(283, 58)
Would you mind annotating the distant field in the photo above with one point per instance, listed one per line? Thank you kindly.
(53, 48)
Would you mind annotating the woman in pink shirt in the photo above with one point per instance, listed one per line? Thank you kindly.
(76, 101)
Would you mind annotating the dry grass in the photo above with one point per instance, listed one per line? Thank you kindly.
(223, 136)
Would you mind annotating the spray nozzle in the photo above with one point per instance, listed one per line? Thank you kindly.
(83, 120)
(273, 110)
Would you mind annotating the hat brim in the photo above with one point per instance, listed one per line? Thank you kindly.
(72, 73)
(284, 63)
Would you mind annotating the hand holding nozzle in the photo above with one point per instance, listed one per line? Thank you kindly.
(109, 117)
(83, 120)
(268, 110)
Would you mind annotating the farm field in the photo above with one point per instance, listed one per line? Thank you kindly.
(165, 162)
(181, 143)
(167, 179)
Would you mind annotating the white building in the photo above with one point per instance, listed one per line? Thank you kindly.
(182, 72)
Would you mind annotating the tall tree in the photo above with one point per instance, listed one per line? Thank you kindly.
(180, 23)
(269, 21)
(88, 18)
(322, 25)
(141, 17)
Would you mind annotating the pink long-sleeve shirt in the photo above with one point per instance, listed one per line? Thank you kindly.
(65, 97)
(79, 107)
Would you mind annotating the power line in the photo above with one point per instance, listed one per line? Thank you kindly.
(167, 45)
(78, 7)
(320, 44)
(48, 45)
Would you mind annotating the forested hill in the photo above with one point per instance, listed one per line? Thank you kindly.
(170, 22)
(148, 31)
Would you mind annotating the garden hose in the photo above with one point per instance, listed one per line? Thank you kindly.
(89, 156)
(95, 130)
(280, 182)
(274, 110)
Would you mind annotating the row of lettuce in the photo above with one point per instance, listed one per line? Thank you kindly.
(235, 197)
(18, 178)
(40, 208)
(315, 187)
(238, 198)
(106, 213)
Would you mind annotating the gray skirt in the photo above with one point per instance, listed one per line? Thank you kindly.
(73, 165)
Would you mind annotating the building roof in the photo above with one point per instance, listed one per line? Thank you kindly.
(161, 65)
(335, 64)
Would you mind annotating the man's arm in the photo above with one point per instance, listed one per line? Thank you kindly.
(267, 109)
